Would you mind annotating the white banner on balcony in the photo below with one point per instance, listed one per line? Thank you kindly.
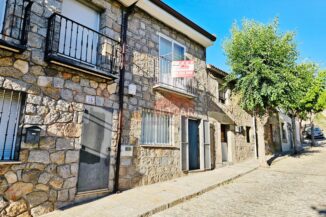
(183, 69)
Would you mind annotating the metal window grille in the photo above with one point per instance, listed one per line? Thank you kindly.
(10, 109)
(156, 128)
(222, 96)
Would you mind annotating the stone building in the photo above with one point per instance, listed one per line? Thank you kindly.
(233, 127)
(61, 105)
(166, 132)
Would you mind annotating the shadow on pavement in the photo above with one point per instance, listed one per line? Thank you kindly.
(304, 152)
(321, 212)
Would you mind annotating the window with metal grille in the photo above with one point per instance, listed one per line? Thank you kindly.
(10, 109)
(222, 96)
(156, 128)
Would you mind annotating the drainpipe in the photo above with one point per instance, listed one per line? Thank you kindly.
(126, 12)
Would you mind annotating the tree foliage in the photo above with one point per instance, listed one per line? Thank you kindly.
(314, 100)
(262, 62)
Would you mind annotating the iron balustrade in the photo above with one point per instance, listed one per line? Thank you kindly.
(80, 44)
(10, 124)
(15, 21)
(163, 76)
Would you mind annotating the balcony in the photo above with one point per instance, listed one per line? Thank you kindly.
(165, 82)
(14, 24)
(73, 45)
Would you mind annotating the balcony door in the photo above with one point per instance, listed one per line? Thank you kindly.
(170, 51)
(78, 34)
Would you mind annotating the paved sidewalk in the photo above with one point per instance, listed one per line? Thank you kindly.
(147, 200)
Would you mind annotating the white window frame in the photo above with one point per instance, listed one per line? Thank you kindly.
(170, 130)
(173, 42)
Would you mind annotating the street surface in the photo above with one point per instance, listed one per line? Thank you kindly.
(294, 186)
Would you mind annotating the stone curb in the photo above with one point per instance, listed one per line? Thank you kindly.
(190, 196)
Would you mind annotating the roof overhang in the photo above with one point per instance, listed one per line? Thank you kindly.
(172, 18)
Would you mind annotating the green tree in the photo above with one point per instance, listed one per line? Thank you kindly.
(314, 100)
(299, 82)
(261, 60)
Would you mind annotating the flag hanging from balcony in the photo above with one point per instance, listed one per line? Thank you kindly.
(183, 69)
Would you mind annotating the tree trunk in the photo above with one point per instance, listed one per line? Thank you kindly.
(294, 134)
(300, 131)
(312, 129)
(254, 118)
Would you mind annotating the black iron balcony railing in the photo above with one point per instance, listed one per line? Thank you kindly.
(165, 79)
(14, 24)
(77, 46)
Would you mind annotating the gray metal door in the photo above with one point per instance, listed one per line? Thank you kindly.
(94, 154)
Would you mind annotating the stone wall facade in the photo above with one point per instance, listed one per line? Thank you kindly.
(45, 177)
(153, 163)
(231, 115)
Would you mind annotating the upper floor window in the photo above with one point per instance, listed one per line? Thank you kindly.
(156, 128)
(10, 109)
(169, 51)
(222, 96)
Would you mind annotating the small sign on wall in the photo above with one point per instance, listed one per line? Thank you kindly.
(127, 150)
(90, 100)
(132, 89)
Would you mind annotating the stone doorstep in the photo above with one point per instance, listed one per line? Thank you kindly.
(119, 204)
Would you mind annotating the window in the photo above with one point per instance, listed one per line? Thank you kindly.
(248, 134)
(10, 107)
(284, 137)
(169, 51)
(222, 96)
(156, 128)
(224, 130)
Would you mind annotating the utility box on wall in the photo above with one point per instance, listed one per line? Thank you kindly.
(127, 150)
(33, 135)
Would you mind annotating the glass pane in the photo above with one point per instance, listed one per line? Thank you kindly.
(165, 59)
(178, 52)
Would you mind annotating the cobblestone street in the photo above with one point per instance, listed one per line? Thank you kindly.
(295, 186)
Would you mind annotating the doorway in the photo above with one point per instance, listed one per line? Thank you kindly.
(224, 142)
(95, 152)
(193, 129)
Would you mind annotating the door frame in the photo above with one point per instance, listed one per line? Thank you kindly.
(201, 144)
(107, 189)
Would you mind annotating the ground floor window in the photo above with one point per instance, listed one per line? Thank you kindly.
(10, 107)
(248, 134)
(156, 128)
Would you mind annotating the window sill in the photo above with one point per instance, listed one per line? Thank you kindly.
(160, 146)
(9, 162)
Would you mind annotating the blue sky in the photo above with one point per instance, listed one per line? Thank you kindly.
(306, 17)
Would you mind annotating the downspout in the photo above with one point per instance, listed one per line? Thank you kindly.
(125, 13)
